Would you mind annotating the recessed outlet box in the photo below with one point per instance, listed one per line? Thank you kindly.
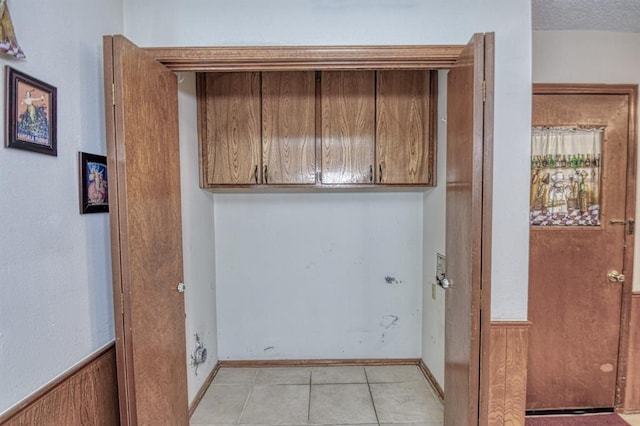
(441, 265)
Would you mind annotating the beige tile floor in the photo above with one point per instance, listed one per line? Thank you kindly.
(382, 395)
(632, 419)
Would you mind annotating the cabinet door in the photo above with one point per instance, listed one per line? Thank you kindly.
(348, 126)
(289, 127)
(230, 127)
(403, 142)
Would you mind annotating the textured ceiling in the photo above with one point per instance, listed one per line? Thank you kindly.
(589, 15)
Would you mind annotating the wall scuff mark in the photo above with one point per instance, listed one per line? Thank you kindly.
(388, 322)
(392, 280)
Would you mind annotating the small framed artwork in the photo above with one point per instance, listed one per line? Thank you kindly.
(94, 181)
(30, 108)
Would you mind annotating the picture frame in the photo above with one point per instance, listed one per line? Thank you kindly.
(94, 182)
(30, 113)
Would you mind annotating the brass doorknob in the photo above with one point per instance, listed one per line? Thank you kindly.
(615, 276)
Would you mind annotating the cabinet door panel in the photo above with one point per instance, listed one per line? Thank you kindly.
(402, 127)
(348, 126)
(289, 127)
(232, 140)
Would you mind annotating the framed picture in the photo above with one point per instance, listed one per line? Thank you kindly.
(30, 108)
(94, 181)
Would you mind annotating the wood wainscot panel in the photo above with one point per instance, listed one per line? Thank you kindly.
(86, 395)
(632, 394)
(508, 372)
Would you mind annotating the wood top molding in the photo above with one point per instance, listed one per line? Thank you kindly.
(291, 58)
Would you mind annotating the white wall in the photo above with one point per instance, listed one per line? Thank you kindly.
(589, 57)
(198, 243)
(319, 275)
(434, 243)
(327, 22)
(55, 270)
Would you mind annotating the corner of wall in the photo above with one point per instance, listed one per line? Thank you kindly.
(198, 245)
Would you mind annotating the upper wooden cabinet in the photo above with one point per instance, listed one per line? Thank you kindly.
(348, 127)
(403, 125)
(229, 117)
(343, 128)
(289, 127)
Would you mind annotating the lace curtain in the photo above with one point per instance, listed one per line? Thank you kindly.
(565, 176)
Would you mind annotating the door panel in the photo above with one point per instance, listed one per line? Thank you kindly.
(348, 126)
(402, 126)
(232, 142)
(146, 235)
(464, 233)
(574, 309)
(289, 127)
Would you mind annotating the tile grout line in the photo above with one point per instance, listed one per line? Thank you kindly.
(373, 403)
(309, 406)
(246, 401)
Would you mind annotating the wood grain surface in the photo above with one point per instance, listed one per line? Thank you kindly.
(464, 231)
(508, 373)
(632, 395)
(301, 58)
(86, 395)
(230, 104)
(487, 226)
(402, 126)
(288, 127)
(147, 242)
(348, 127)
(575, 310)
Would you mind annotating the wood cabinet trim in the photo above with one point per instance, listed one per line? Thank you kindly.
(201, 87)
(291, 58)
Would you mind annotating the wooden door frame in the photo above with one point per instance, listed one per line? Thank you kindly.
(631, 91)
(390, 57)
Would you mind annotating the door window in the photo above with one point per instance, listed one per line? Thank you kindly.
(565, 176)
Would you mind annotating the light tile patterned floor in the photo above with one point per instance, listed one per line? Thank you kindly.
(632, 419)
(385, 395)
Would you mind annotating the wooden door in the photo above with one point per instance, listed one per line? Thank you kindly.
(289, 127)
(146, 235)
(468, 227)
(574, 309)
(230, 138)
(403, 126)
(348, 126)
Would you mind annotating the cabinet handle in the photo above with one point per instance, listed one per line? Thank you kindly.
(371, 173)
(380, 170)
(266, 176)
(255, 173)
